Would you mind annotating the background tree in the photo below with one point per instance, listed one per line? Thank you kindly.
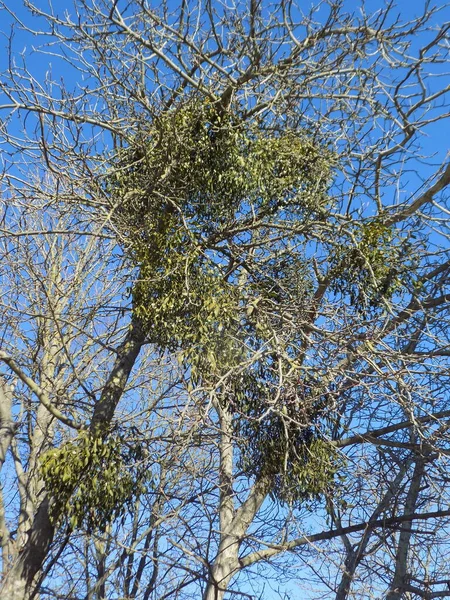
(233, 206)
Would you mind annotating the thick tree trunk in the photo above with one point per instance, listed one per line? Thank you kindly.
(225, 566)
(226, 561)
(18, 584)
(112, 392)
(220, 578)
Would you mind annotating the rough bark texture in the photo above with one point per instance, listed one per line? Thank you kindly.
(19, 582)
(115, 386)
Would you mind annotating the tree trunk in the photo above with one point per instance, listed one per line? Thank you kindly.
(400, 579)
(225, 566)
(226, 561)
(233, 522)
(18, 584)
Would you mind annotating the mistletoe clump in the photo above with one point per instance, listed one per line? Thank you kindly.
(92, 479)
(216, 212)
(281, 442)
(188, 192)
(368, 267)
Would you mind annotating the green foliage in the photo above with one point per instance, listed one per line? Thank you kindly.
(202, 199)
(368, 265)
(198, 179)
(91, 479)
(186, 305)
(203, 165)
(281, 442)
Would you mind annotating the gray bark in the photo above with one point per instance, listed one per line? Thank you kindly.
(226, 561)
(400, 579)
(7, 430)
(115, 386)
(7, 425)
(233, 522)
(18, 584)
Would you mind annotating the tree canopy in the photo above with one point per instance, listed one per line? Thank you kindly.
(225, 301)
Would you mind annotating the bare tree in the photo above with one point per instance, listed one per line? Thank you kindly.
(308, 428)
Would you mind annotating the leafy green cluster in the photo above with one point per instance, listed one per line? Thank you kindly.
(199, 177)
(367, 267)
(281, 443)
(91, 479)
(201, 198)
(203, 164)
(183, 303)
